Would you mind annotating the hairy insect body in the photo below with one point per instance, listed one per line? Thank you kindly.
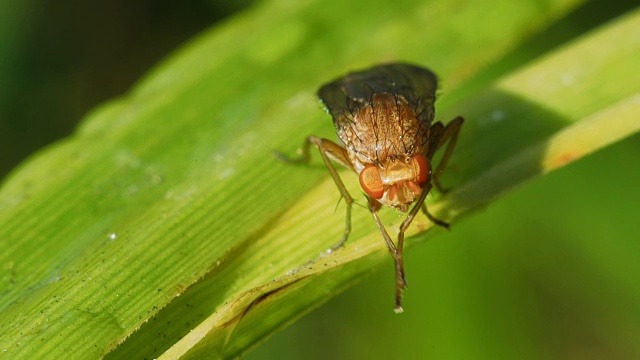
(384, 118)
(386, 127)
(386, 134)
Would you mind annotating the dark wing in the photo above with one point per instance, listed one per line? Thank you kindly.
(350, 93)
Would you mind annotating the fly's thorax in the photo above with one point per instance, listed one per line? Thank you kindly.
(384, 126)
(396, 182)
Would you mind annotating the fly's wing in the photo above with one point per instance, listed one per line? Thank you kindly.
(345, 96)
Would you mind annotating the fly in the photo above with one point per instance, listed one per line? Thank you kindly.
(384, 119)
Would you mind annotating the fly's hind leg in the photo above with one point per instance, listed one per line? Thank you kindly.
(448, 134)
(433, 219)
(440, 136)
(329, 151)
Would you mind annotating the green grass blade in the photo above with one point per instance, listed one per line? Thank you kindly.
(232, 329)
(165, 211)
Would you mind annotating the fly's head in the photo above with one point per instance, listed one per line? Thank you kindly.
(396, 181)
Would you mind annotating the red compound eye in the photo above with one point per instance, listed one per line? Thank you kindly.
(371, 182)
(423, 169)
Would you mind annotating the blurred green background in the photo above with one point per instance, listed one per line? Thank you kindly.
(549, 271)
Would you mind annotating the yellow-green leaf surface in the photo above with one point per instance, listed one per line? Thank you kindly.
(164, 227)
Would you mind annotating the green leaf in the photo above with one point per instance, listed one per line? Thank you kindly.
(164, 227)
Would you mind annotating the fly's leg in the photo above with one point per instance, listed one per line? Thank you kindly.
(434, 219)
(423, 204)
(440, 135)
(450, 134)
(401, 282)
(304, 157)
(397, 251)
(328, 150)
(326, 147)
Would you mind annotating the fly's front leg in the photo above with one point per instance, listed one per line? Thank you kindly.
(329, 151)
(412, 214)
(396, 253)
(422, 203)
